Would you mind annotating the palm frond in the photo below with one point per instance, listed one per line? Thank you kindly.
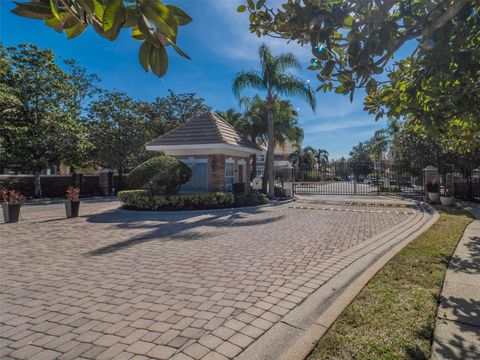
(266, 59)
(290, 85)
(247, 102)
(287, 61)
(247, 79)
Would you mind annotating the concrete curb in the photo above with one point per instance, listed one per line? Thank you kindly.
(297, 333)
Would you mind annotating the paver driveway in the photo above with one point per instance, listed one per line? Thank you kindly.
(203, 285)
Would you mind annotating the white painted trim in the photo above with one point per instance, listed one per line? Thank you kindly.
(242, 162)
(229, 161)
(202, 147)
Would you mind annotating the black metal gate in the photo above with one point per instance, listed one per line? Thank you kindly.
(356, 178)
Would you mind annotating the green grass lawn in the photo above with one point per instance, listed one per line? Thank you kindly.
(393, 317)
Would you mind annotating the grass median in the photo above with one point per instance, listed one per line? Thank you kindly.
(393, 317)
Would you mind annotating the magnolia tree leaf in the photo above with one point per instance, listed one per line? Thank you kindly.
(33, 10)
(114, 16)
(158, 60)
(151, 21)
(137, 34)
(75, 30)
(144, 55)
(159, 15)
(180, 16)
(131, 16)
(99, 8)
(87, 5)
(53, 6)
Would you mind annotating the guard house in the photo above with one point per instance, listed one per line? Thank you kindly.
(217, 154)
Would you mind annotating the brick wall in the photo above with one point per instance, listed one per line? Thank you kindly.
(216, 177)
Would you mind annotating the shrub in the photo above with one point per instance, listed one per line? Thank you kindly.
(252, 198)
(312, 176)
(161, 175)
(263, 198)
(280, 192)
(240, 199)
(238, 188)
(145, 200)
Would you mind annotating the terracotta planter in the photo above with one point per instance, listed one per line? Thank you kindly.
(447, 200)
(11, 212)
(434, 197)
(72, 208)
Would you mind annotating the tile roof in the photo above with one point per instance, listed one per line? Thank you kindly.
(208, 128)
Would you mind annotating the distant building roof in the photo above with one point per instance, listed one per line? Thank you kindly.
(203, 130)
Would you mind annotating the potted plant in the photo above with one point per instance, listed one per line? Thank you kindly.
(72, 204)
(433, 194)
(11, 205)
(447, 198)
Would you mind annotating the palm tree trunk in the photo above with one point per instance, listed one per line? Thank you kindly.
(265, 176)
(270, 151)
(254, 167)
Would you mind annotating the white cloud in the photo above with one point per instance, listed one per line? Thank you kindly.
(338, 125)
(242, 45)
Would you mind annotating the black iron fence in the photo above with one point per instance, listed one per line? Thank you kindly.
(466, 184)
(354, 178)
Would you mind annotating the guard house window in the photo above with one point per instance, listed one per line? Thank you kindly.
(199, 180)
(228, 176)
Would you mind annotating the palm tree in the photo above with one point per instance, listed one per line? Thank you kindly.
(322, 156)
(275, 81)
(304, 159)
(252, 123)
(286, 126)
(378, 144)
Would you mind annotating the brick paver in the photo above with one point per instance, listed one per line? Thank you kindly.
(117, 284)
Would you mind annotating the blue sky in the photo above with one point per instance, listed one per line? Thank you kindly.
(220, 44)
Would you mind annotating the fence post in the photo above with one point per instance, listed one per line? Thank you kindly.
(430, 176)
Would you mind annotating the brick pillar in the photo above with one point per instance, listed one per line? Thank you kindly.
(216, 173)
(430, 176)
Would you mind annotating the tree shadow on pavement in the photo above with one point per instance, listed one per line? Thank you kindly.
(466, 311)
(454, 349)
(175, 226)
(470, 264)
(461, 343)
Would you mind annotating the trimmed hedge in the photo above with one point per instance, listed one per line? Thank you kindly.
(243, 199)
(161, 175)
(145, 200)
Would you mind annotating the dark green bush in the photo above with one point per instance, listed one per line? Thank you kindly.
(280, 192)
(238, 188)
(263, 198)
(240, 199)
(145, 200)
(312, 176)
(250, 199)
(161, 175)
